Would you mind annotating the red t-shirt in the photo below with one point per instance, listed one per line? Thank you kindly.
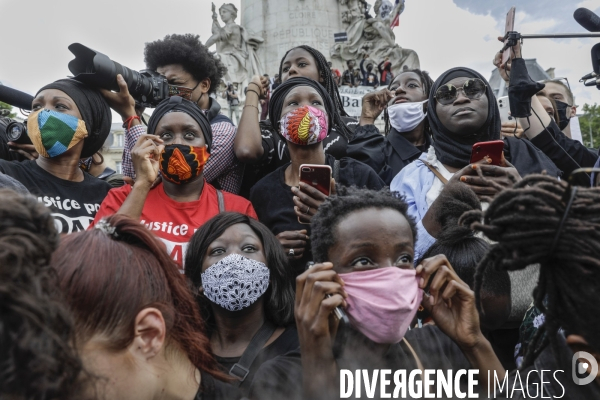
(172, 221)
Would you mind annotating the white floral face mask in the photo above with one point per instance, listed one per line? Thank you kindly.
(235, 282)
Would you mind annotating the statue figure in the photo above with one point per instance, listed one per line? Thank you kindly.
(373, 36)
(235, 46)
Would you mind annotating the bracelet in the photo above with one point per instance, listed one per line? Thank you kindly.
(252, 90)
(255, 84)
(252, 105)
(128, 121)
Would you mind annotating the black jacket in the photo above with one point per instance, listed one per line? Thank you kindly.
(566, 153)
(387, 155)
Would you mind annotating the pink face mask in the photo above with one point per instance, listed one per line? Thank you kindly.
(382, 302)
(304, 125)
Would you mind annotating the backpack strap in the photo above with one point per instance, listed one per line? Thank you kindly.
(241, 369)
(221, 201)
(435, 172)
(336, 171)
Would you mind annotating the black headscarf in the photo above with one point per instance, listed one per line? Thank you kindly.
(276, 102)
(178, 104)
(452, 149)
(93, 109)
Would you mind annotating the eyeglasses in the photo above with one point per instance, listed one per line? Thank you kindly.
(564, 81)
(472, 88)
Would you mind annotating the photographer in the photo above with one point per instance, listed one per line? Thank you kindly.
(186, 62)
(69, 121)
(234, 103)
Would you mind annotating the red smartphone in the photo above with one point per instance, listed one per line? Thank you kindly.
(509, 26)
(317, 176)
(492, 149)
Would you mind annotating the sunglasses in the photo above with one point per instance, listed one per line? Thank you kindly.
(472, 88)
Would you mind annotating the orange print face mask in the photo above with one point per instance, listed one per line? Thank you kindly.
(180, 163)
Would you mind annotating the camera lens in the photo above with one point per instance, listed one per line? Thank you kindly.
(14, 132)
(17, 132)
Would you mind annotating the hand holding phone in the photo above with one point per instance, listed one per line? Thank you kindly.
(504, 108)
(315, 187)
(492, 149)
(341, 333)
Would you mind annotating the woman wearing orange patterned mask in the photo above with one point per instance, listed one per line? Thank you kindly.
(178, 146)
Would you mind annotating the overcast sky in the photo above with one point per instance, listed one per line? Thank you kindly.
(445, 33)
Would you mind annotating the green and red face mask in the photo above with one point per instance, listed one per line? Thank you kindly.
(181, 163)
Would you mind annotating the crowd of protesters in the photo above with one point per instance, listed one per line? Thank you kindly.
(210, 270)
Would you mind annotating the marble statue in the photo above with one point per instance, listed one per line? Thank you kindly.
(373, 36)
(236, 47)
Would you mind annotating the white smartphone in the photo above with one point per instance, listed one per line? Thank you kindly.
(504, 107)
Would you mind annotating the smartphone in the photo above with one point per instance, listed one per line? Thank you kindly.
(317, 176)
(504, 107)
(508, 27)
(492, 149)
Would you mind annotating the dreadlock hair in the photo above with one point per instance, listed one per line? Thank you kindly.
(329, 85)
(524, 221)
(346, 201)
(427, 85)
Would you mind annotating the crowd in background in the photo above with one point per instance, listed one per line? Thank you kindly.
(209, 269)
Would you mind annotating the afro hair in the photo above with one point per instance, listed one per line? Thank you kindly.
(188, 51)
(346, 201)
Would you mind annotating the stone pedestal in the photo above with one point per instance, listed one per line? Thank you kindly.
(288, 23)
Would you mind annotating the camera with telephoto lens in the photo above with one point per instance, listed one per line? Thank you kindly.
(13, 131)
(93, 68)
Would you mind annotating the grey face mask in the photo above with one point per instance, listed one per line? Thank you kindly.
(235, 282)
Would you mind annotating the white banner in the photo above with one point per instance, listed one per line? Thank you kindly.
(352, 98)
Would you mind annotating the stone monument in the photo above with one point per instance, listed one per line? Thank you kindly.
(236, 46)
(373, 36)
(287, 23)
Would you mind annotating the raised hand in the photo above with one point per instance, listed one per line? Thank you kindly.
(373, 105)
(450, 301)
(145, 156)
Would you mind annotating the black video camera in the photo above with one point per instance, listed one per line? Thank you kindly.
(13, 131)
(93, 68)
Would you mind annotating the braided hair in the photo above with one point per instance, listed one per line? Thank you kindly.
(524, 221)
(329, 85)
(427, 85)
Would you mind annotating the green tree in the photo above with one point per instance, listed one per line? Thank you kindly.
(4, 106)
(590, 125)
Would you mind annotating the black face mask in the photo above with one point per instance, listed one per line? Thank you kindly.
(561, 108)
